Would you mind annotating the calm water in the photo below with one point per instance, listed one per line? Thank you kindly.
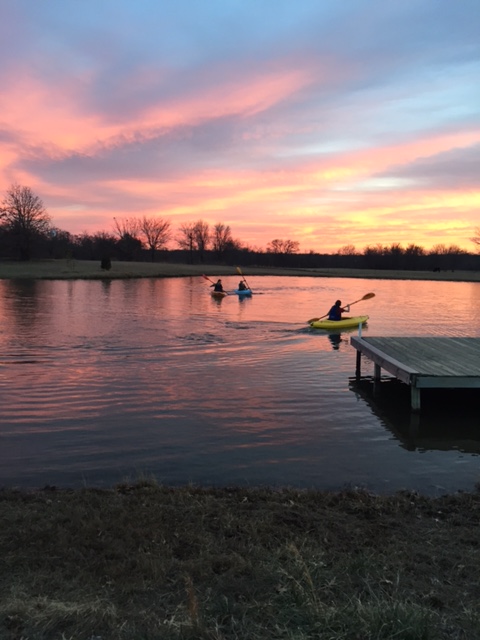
(103, 381)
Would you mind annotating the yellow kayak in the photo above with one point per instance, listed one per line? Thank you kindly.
(336, 325)
(218, 295)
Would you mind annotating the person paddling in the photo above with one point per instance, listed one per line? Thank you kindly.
(242, 286)
(217, 286)
(336, 311)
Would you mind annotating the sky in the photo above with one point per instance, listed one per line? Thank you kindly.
(326, 122)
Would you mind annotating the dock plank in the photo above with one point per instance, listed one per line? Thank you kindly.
(433, 356)
(424, 362)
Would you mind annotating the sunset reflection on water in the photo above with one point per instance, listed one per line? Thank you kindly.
(103, 380)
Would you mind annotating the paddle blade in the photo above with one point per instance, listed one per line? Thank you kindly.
(367, 296)
(239, 271)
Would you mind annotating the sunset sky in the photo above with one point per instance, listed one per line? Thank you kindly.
(328, 122)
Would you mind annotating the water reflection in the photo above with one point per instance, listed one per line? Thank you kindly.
(22, 305)
(447, 421)
(338, 339)
(106, 287)
(103, 379)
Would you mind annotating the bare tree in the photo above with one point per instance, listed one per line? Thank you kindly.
(444, 250)
(347, 250)
(447, 256)
(156, 233)
(291, 246)
(476, 238)
(126, 227)
(185, 237)
(25, 217)
(414, 250)
(202, 237)
(373, 256)
(275, 246)
(283, 246)
(373, 249)
(413, 256)
(128, 232)
(221, 238)
(194, 236)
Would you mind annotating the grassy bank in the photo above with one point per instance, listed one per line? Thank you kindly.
(90, 269)
(149, 562)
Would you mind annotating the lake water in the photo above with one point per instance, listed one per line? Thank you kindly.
(102, 382)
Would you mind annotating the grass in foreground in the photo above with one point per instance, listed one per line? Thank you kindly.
(150, 562)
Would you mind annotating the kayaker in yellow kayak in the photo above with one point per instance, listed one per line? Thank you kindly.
(336, 311)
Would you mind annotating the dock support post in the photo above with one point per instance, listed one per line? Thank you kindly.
(414, 397)
(377, 374)
(358, 365)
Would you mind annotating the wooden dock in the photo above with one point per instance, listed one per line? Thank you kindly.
(423, 363)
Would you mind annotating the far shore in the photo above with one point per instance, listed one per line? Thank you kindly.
(91, 270)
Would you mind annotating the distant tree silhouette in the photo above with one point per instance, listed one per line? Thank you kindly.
(414, 250)
(283, 246)
(414, 256)
(185, 238)
(156, 234)
(221, 238)
(59, 243)
(373, 256)
(476, 238)
(128, 232)
(447, 257)
(194, 236)
(25, 219)
(201, 237)
(93, 247)
(347, 250)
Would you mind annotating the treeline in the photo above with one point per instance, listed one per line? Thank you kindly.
(26, 232)
(393, 257)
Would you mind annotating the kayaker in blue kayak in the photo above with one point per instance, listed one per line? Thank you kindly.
(242, 286)
(217, 286)
(336, 311)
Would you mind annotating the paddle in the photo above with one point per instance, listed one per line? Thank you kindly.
(240, 272)
(367, 296)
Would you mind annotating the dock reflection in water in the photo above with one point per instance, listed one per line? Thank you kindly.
(448, 421)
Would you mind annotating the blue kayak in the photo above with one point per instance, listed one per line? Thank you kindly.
(243, 292)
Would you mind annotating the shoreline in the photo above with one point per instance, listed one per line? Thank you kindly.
(91, 270)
